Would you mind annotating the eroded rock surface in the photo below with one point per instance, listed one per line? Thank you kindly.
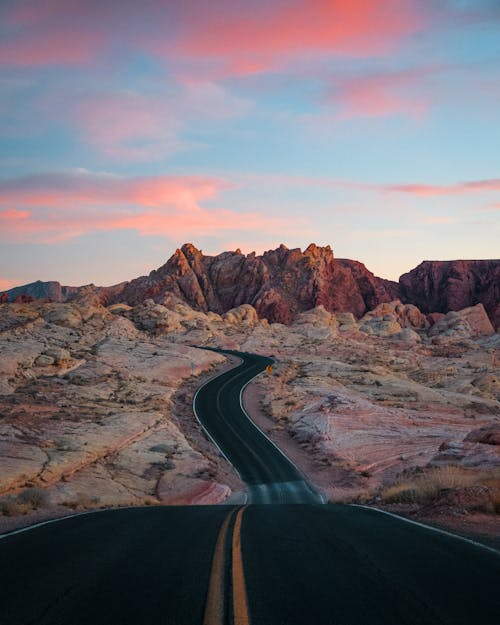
(88, 408)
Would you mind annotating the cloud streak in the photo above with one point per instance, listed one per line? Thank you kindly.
(56, 207)
(460, 188)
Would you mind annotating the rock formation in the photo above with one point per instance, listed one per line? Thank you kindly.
(278, 284)
(284, 282)
(443, 286)
(92, 397)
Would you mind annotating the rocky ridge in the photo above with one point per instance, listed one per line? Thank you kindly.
(283, 282)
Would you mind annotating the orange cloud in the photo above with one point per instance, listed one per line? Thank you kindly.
(5, 284)
(59, 207)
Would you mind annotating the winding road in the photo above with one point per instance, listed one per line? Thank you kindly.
(269, 475)
(293, 561)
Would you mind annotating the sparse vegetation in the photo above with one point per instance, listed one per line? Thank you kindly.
(34, 497)
(480, 489)
(82, 502)
(26, 501)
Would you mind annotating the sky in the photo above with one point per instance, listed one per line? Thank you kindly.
(129, 128)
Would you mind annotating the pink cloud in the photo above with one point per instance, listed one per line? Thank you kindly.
(243, 37)
(380, 95)
(459, 188)
(62, 206)
(52, 32)
(249, 38)
(129, 126)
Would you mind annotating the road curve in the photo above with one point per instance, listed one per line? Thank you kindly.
(270, 476)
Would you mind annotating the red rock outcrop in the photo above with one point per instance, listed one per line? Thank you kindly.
(443, 286)
(279, 284)
(283, 282)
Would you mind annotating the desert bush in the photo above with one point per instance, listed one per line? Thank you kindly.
(33, 497)
(425, 487)
(11, 507)
(82, 502)
(493, 483)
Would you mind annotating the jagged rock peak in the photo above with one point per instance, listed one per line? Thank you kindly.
(189, 250)
(315, 251)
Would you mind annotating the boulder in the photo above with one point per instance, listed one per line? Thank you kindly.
(470, 322)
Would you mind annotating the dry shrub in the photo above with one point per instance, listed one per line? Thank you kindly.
(30, 499)
(425, 487)
(34, 497)
(82, 502)
(11, 507)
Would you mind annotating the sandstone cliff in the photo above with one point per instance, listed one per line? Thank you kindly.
(443, 286)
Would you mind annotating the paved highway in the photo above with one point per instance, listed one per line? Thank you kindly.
(270, 476)
(274, 564)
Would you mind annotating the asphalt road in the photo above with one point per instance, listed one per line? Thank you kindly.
(260, 564)
(270, 476)
(275, 564)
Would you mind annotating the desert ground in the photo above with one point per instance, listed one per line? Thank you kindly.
(397, 409)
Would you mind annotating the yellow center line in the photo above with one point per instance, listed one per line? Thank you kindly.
(240, 603)
(214, 608)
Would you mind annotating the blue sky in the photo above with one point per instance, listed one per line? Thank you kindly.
(372, 126)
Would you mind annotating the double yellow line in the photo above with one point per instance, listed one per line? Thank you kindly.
(216, 596)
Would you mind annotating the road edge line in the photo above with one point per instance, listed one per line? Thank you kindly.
(63, 518)
(429, 527)
(201, 424)
(321, 494)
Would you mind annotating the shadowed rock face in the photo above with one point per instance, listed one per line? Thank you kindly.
(278, 284)
(283, 282)
(42, 290)
(442, 286)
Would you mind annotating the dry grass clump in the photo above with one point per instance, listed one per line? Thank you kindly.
(28, 500)
(481, 486)
(82, 502)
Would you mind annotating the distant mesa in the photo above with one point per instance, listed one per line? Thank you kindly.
(284, 282)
